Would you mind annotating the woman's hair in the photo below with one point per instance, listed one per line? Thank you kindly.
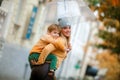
(63, 22)
(54, 27)
(65, 38)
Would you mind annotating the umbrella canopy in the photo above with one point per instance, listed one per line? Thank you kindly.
(81, 19)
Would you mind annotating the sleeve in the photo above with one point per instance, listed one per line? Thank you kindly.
(47, 38)
(60, 44)
(59, 62)
(45, 52)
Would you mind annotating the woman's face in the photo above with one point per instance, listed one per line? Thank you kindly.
(66, 31)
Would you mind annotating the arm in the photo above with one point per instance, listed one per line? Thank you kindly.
(59, 43)
(45, 52)
(48, 39)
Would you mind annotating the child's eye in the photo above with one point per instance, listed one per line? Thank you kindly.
(56, 32)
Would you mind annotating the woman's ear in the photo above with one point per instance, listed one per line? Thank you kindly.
(48, 32)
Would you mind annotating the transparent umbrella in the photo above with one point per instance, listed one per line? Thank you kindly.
(82, 21)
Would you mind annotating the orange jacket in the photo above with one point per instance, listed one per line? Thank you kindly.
(48, 45)
(44, 41)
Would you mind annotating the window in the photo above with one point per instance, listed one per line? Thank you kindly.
(1, 2)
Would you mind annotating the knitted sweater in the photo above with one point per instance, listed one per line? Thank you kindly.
(44, 41)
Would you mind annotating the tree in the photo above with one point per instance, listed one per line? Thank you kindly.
(109, 15)
(111, 63)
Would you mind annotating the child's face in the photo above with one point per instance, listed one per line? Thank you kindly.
(54, 33)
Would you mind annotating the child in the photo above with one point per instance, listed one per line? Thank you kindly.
(46, 42)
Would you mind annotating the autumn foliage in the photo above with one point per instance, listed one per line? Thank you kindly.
(109, 15)
(109, 61)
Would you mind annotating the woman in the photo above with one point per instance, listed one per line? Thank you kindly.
(40, 72)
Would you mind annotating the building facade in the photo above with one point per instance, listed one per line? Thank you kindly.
(3, 17)
(15, 17)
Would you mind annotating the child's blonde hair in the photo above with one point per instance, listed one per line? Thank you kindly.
(53, 27)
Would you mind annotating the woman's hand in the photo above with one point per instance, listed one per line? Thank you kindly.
(69, 48)
(36, 63)
(33, 62)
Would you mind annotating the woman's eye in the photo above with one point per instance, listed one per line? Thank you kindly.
(65, 28)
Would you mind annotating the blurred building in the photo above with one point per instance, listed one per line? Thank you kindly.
(3, 17)
(15, 17)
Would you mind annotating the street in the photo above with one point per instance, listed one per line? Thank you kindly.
(14, 63)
